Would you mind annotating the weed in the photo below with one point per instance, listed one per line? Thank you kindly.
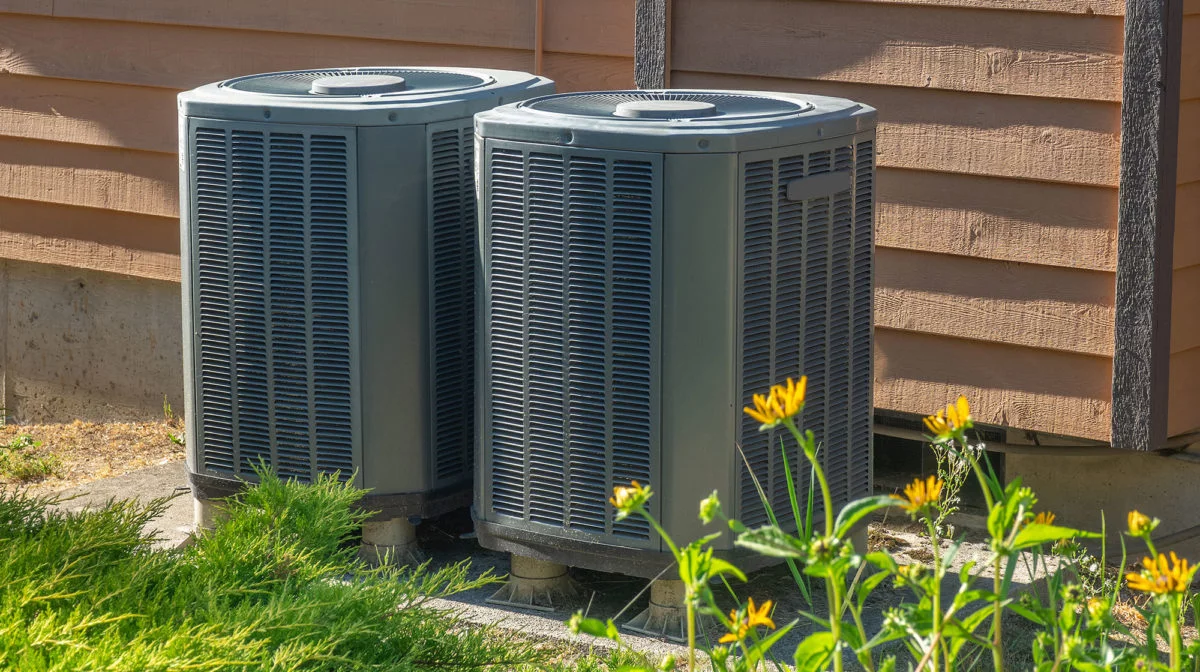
(20, 462)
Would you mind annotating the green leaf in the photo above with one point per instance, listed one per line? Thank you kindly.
(592, 626)
(814, 652)
(760, 649)
(869, 584)
(860, 508)
(883, 560)
(1028, 614)
(1037, 534)
(719, 567)
(772, 542)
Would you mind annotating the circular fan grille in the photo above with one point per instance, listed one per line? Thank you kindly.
(299, 83)
(617, 103)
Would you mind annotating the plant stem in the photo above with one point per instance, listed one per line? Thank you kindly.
(835, 618)
(997, 618)
(816, 465)
(937, 592)
(1175, 638)
(691, 635)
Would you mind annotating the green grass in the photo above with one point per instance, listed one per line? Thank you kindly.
(19, 463)
(276, 586)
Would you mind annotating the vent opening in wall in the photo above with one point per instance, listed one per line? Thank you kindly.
(686, 250)
(330, 276)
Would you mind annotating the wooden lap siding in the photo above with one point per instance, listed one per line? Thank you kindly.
(1183, 414)
(88, 166)
(998, 157)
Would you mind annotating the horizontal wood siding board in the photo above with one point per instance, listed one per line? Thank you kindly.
(1185, 309)
(179, 57)
(1025, 388)
(994, 218)
(579, 72)
(1082, 7)
(101, 240)
(42, 7)
(1145, 223)
(995, 301)
(1191, 7)
(1189, 85)
(596, 27)
(1183, 407)
(1034, 54)
(602, 27)
(89, 113)
(1188, 166)
(1187, 225)
(1046, 139)
(97, 177)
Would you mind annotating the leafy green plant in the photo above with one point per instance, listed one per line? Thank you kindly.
(20, 462)
(275, 586)
(955, 617)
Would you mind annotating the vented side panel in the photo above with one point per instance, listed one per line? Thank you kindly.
(571, 334)
(452, 279)
(273, 233)
(806, 310)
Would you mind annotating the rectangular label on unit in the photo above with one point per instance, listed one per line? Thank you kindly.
(816, 186)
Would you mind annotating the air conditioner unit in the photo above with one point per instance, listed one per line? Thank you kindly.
(328, 278)
(650, 260)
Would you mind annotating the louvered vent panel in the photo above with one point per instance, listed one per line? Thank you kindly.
(806, 310)
(571, 267)
(272, 301)
(452, 240)
(862, 406)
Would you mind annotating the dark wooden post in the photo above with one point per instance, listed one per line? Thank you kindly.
(651, 44)
(1146, 222)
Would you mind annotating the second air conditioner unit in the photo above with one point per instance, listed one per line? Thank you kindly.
(650, 260)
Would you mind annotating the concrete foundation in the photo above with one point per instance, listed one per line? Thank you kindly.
(79, 344)
(206, 513)
(535, 584)
(1078, 489)
(666, 616)
(390, 542)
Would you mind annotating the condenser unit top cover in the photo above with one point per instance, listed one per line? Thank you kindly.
(676, 121)
(384, 96)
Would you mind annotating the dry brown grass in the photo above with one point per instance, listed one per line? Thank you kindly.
(89, 451)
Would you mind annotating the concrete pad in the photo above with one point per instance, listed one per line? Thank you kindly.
(161, 480)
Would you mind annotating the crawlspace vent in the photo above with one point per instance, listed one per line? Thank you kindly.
(272, 244)
(806, 306)
(572, 335)
(452, 268)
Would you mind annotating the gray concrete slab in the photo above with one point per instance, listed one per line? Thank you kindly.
(161, 480)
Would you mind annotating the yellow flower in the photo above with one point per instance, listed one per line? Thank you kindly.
(1140, 524)
(629, 498)
(754, 618)
(919, 494)
(955, 416)
(1159, 578)
(780, 404)
(1044, 518)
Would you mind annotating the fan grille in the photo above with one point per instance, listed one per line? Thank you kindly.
(299, 82)
(727, 105)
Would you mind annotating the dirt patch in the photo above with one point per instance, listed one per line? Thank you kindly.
(82, 452)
